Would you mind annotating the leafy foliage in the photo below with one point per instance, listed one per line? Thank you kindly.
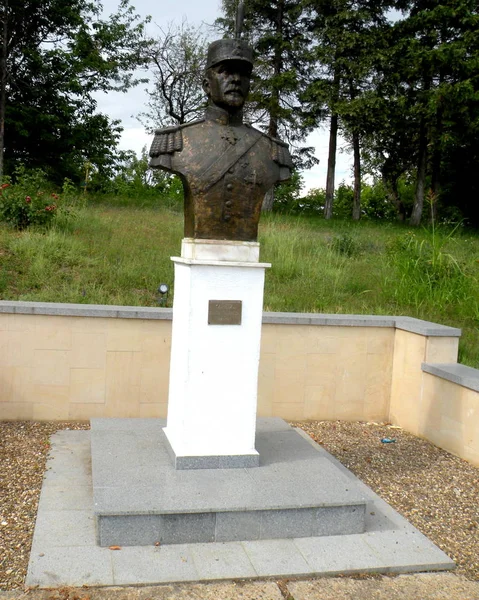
(345, 244)
(426, 96)
(28, 201)
(135, 184)
(375, 203)
(57, 54)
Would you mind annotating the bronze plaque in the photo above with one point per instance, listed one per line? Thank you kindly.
(224, 312)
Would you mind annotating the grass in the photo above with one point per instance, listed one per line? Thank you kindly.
(120, 254)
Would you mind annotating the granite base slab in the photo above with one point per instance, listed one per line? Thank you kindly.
(141, 499)
(228, 461)
(65, 551)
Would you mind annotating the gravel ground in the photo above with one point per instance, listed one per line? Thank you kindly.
(437, 492)
(23, 452)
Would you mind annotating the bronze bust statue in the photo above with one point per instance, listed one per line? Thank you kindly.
(226, 166)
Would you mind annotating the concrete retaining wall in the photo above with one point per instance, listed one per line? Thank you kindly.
(64, 361)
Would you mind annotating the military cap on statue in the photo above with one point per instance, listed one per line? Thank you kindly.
(222, 50)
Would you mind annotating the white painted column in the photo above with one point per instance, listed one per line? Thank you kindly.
(214, 367)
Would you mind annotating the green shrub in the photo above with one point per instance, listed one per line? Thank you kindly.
(375, 203)
(345, 244)
(29, 200)
(313, 202)
(343, 201)
(287, 198)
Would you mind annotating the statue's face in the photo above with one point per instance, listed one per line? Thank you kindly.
(227, 84)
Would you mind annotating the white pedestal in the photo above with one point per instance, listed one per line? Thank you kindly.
(214, 367)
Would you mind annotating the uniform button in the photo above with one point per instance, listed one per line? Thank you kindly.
(228, 203)
(229, 186)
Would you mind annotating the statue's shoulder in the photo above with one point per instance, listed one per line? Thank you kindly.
(279, 152)
(170, 139)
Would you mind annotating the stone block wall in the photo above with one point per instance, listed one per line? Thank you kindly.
(64, 367)
(75, 362)
(325, 372)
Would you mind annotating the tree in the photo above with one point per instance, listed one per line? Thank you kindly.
(283, 66)
(349, 39)
(428, 92)
(3, 81)
(446, 83)
(177, 57)
(55, 54)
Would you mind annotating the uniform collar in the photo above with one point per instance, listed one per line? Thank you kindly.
(223, 117)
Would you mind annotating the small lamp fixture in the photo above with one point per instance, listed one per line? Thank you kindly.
(163, 290)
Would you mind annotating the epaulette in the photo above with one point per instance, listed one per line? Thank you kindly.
(169, 139)
(166, 141)
(280, 153)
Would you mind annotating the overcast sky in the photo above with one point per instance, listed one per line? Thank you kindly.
(127, 106)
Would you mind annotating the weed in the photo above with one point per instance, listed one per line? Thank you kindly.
(425, 273)
(345, 244)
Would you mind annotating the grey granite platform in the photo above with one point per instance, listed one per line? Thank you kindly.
(140, 499)
(65, 550)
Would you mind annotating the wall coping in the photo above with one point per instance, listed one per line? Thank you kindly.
(85, 310)
(137, 312)
(405, 323)
(461, 374)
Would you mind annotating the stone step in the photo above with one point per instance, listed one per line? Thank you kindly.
(140, 499)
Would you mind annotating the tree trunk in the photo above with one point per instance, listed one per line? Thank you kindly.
(278, 69)
(391, 187)
(357, 178)
(435, 152)
(268, 201)
(3, 86)
(333, 140)
(421, 177)
(436, 169)
(435, 186)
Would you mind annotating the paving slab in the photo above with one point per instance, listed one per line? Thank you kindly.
(153, 565)
(65, 553)
(270, 557)
(222, 561)
(56, 566)
(66, 527)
